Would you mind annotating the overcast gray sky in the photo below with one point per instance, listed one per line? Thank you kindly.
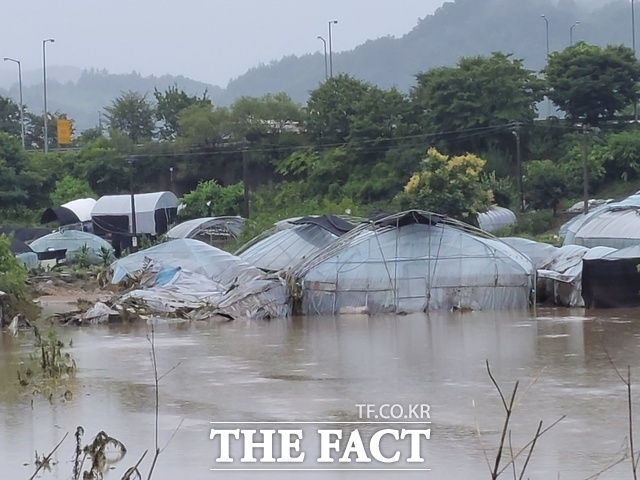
(208, 40)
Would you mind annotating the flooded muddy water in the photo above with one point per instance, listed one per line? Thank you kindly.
(318, 370)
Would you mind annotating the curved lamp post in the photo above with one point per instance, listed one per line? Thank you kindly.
(44, 78)
(332, 22)
(17, 62)
(326, 68)
(546, 21)
(571, 32)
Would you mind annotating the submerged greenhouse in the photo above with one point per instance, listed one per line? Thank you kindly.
(288, 244)
(410, 262)
(613, 224)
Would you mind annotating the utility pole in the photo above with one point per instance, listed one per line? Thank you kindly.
(516, 133)
(331, 23)
(585, 168)
(134, 227)
(245, 180)
(633, 42)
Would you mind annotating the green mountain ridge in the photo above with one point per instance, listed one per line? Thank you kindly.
(457, 29)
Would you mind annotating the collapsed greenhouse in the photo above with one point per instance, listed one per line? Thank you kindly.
(410, 262)
(191, 255)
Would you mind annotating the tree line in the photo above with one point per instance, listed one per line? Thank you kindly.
(447, 145)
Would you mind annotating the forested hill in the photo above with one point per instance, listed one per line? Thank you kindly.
(460, 28)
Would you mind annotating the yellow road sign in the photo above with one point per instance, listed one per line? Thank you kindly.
(64, 131)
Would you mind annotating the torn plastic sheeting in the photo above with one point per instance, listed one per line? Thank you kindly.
(262, 299)
(192, 292)
(192, 255)
(563, 285)
(564, 258)
(99, 313)
(184, 290)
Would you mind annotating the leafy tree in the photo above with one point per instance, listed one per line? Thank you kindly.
(9, 117)
(478, 93)
(132, 114)
(252, 118)
(89, 135)
(34, 130)
(449, 185)
(332, 109)
(620, 155)
(546, 184)
(169, 105)
(70, 188)
(380, 116)
(202, 125)
(104, 168)
(45, 170)
(211, 199)
(13, 276)
(573, 164)
(16, 184)
(592, 83)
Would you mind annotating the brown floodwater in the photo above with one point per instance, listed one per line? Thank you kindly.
(318, 370)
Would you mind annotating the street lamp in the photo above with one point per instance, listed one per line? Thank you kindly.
(332, 22)
(633, 26)
(546, 21)
(326, 68)
(9, 59)
(44, 78)
(571, 32)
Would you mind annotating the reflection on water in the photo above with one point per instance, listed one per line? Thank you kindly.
(319, 369)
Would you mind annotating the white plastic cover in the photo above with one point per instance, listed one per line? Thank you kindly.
(82, 207)
(192, 255)
(73, 241)
(496, 218)
(538, 252)
(416, 267)
(200, 298)
(286, 248)
(611, 228)
(602, 226)
(214, 225)
(146, 205)
(560, 279)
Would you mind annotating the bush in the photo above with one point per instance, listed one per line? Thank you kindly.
(448, 184)
(535, 223)
(210, 199)
(546, 184)
(13, 277)
(69, 188)
(620, 155)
